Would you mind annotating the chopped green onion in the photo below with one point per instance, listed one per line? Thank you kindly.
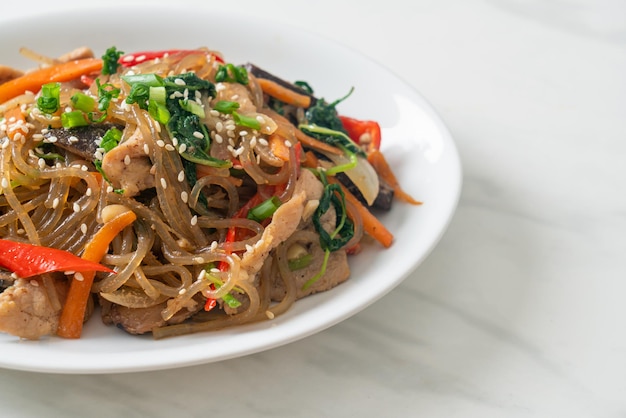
(322, 271)
(150, 80)
(49, 101)
(331, 171)
(224, 106)
(264, 209)
(192, 106)
(83, 102)
(73, 119)
(300, 262)
(158, 111)
(110, 139)
(157, 94)
(246, 121)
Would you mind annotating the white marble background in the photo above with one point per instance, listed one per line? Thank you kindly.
(520, 311)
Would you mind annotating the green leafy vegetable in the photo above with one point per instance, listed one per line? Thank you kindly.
(111, 139)
(304, 86)
(110, 60)
(247, 121)
(325, 115)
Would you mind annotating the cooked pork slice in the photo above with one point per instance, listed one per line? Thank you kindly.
(26, 311)
(284, 222)
(143, 320)
(337, 272)
(128, 167)
(76, 54)
(9, 73)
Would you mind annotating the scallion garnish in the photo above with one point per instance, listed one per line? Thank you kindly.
(192, 106)
(110, 139)
(110, 60)
(225, 106)
(81, 101)
(49, 101)
(73, 119)
(247, 121)
(231, 74)
(264, 209)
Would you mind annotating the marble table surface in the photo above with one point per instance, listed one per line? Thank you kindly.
(520, 310)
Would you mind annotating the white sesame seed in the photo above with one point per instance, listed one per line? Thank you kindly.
(20, 231)
(263, 142)
(5, 183)
(260, 118)
(76, 207)
(175, 141)
(182, 291)
(194, 220)
(181, 176)
(128, 58)
(219, 126)
(110, 189)
(243, 133)
(169, 147)
(52, 139)
(218, 138)
(253, 142)
(78, 276)
(163, 183)
(184, 196)
(55, 203)
(83, 228)
(234, 97)
(198, 135)
(146, 149)
(127, 160)
(73, 139)
(84, 168)
(198, 95)
(98, 155)
(198, 260)
(287, 143)
(215, 270)
(269, 314)
(34, 283)
(202, 274)
(140, 58)
(14, 275)
(179, 82)
(214, 112)
(214, 245)
(88, 191)
(160, 143)
(182, 148)
(153, 169)
(249, 247)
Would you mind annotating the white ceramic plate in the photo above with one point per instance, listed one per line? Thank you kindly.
(415, 141)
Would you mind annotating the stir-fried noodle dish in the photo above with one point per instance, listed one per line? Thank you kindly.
(173, 192)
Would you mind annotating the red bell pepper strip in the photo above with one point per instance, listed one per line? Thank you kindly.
(130, 60)
(356, 128)
(27, 260)
(231, 236)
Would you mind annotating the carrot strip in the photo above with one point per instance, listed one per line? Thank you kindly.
(283, 94)
(16, 122)
(33, 80)
(73, 313)
(310, 160)
(379, 162)
(278, 147)
(371, 225)
(311, 142)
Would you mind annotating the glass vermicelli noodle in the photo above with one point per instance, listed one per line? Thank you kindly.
(177, 192)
